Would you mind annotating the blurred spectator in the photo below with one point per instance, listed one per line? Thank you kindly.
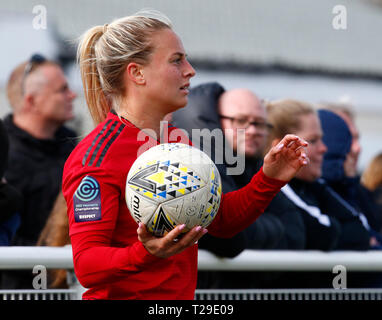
(56, 234)
(10, 198)
(330, 222)
(347, 114)
(320, 230)
(41, 101)
(349, 186)
(211, 107)
(371, 179)
(338, 140)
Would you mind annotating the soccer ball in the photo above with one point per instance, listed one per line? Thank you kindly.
(172, 184)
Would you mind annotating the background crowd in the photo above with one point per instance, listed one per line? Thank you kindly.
(330, 205)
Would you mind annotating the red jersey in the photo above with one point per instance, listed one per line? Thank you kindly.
(109, 259)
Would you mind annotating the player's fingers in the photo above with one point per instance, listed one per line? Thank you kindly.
(285, 142)
(192, 236)
(290, 141)
(143, 234)
(174, 234)
(304, 159)
(297, 143)
(302, 155)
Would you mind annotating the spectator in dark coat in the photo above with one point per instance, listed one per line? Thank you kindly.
(338, 139)
(331, 223)
(321, 231)
(10, 198)
(41, 101)
(348, 186)
(211, 107)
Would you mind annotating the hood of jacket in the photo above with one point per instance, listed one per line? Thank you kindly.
(338, 139)
(201, 109)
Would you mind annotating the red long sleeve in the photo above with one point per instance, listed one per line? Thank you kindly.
(95, 262)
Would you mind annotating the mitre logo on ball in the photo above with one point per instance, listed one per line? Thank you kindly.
(172, 184)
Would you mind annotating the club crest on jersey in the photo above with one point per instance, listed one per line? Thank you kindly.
(87, 201)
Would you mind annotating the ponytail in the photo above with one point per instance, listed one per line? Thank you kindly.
(95, 97)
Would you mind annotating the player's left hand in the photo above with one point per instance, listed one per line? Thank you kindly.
(285, 158)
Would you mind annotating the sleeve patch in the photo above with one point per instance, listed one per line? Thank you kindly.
(87, 201)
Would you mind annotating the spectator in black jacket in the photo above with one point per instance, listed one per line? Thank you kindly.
(345, 111)
(331, 223)
(301, 119)
(341, 160)
(10, 198)
(211, 107)
(41, 100)
(338, 138)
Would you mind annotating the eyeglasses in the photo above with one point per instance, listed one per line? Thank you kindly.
(243, 123)
(34, 61)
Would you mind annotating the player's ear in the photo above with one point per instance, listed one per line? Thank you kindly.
(134, 73)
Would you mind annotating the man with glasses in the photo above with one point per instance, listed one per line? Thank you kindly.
(242, 109)
(41, 102)
(241, 117)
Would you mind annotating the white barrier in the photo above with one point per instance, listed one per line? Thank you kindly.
(13, 258)
(269, 260)
(16, 258)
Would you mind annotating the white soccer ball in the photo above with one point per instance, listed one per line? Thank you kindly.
(172, 184)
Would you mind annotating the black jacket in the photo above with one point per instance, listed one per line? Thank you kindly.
(347, 231)
(338, 139)
(10, 198)
(35, 169)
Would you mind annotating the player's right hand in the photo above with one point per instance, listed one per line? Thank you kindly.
(171, 243)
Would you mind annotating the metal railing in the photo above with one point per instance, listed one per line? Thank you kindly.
(16, 258)
(61, 258)
(289, 294)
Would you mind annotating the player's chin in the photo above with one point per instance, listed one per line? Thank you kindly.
(183, 102)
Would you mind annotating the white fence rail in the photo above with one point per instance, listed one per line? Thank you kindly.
(270, 260)
(16, 258)
(61, 258)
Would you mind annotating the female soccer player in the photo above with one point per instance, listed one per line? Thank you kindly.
(135, 72)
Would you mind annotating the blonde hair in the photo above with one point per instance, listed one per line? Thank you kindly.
(285, 115)
(372, 175)
(105, 51)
